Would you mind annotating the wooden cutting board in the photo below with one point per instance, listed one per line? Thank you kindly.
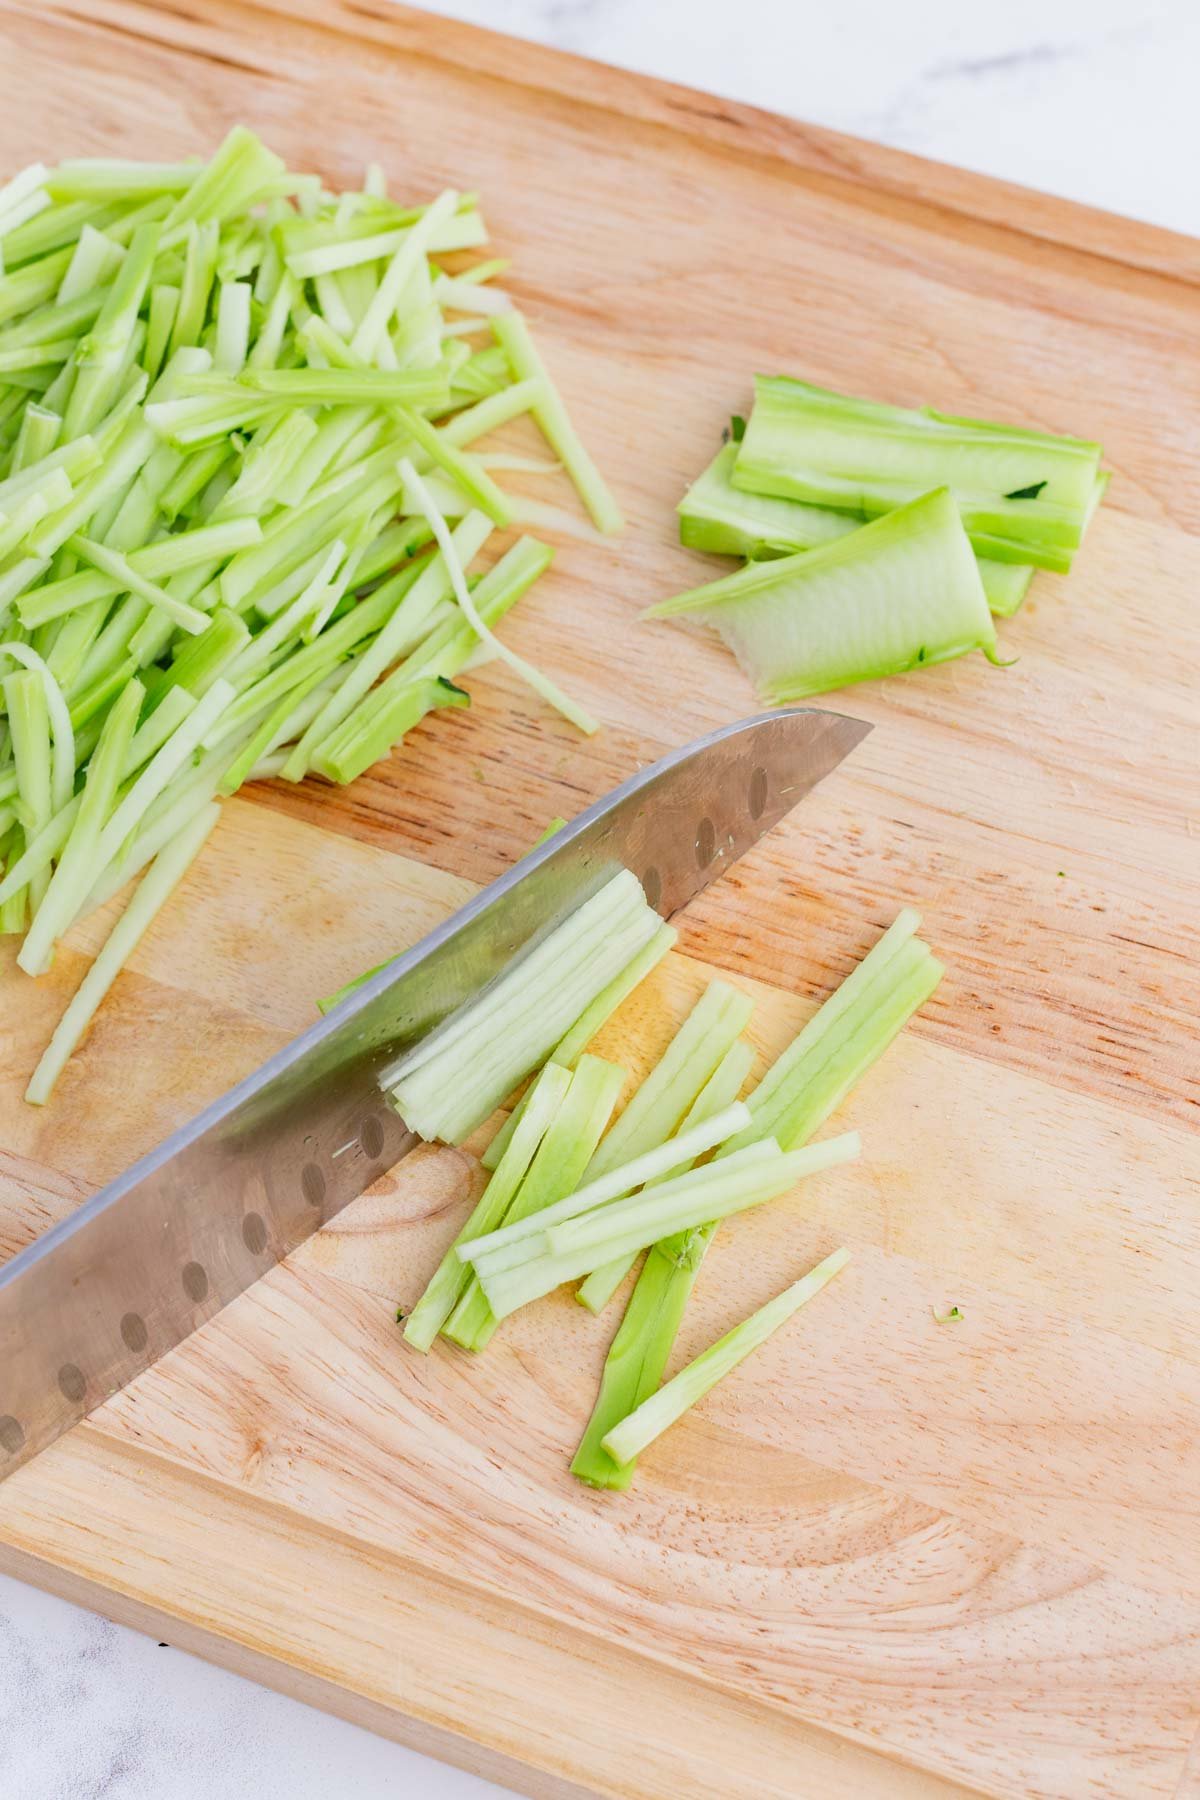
(897, 1558)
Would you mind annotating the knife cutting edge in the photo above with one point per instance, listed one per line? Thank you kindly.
(160, 1250)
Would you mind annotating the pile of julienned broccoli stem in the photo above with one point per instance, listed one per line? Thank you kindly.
(236, 414)
(575, 1196)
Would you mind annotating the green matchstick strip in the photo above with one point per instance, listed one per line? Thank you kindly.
(721, 1090)
(562, 1156)
(664, 1198)
(165, 874)
(452, 1278)
(648, 1421)
(638, 1354)
(68, 883)
(641, 1221)
(675, 1153)
(715, 1022)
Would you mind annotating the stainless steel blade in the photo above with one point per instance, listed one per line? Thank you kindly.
(160, 1250)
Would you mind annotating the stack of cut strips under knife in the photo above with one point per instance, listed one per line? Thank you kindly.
(575, 1196)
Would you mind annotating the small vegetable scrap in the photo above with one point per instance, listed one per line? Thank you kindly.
(579, 1190)
(241, 505)
(876, 539)
(949, 1317)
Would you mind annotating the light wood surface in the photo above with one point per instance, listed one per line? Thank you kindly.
(892, 1558)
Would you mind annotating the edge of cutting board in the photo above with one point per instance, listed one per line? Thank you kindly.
(436, 1676)
(822, 158)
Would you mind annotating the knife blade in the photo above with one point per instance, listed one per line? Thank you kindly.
(165, 1246)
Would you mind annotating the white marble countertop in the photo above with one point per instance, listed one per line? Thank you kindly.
(1086, 98)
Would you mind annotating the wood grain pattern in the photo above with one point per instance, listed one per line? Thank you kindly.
(898, 1559)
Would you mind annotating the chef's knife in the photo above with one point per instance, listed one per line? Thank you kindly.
(157, 1252)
